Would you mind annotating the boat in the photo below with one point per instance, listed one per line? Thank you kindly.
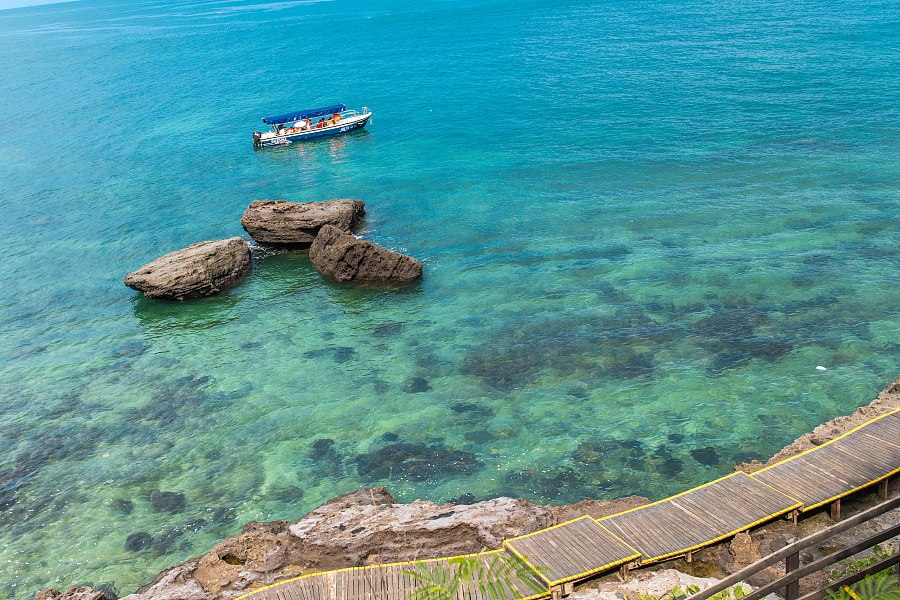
(301, 126)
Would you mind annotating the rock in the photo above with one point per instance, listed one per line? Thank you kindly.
(415, 462)
(170, 502)
(201, 269)
(743, 549)
(138, 541)
(415, 385)
(176, 583)
(341, 257)
(364, 533)
(350, 530)
(123, 506)
(296, 224)
(706, 456)
(77, 593)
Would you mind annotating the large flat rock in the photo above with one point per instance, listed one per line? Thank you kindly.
(341, 257)
(201, 269)
(296, 224)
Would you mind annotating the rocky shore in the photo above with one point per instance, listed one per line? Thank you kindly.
(369, 527)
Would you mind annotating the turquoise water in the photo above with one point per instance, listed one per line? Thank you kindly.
(643, 226)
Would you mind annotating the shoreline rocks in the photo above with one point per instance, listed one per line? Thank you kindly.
(296, 224)
(201, 269)
(368, 526)
(341, 257)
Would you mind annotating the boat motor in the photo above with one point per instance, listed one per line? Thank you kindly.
(257, 137)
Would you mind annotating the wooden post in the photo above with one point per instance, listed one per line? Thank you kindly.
(690, 556)
(568, 588)
(883, 488)
(556, 593)
(623, 572)
(792, 563)
(836, 510)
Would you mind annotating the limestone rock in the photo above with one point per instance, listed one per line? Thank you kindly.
(201, 269)
(366, 533)
(354, 529)
(743, 549)
(176, 583)
(296, 224)
(76, 593)
(341, 257)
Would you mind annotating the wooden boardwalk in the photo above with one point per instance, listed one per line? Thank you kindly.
(699, 517)
(857, 459)
(376, 582)
(572, 550)
(672, 527)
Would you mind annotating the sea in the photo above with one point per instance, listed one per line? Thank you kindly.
(659, 238)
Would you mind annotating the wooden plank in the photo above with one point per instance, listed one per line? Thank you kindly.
(297, 589)
(880, 463)
(889, 440)
(571, 550)
(291, 590)
(697, 517)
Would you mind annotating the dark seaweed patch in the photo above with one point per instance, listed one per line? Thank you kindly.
(415, 462)
(466, 498)
(343, 353)
(133, 348)
(415, 385)
(169, 502)
(389, 329)
(288, 494)
(138, 541)
(473, 409)
(706, 456)
(326, 458)
(166, 541)
(480, 437)
(122, 506)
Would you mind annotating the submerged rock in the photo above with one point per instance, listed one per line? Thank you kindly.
(414, 385)
(706, 456)
(282, 223)
(170, 502)
(138, 541)
(341, 257)
(415, 462)
(122, 506)
(201, 269)
(388, 329)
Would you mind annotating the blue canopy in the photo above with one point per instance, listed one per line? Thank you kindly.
(304, 114)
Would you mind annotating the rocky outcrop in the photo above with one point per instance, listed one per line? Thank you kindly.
(364, 527)
(201, 269)
(296, 224)
(341, 257)
(368, 526)
(76, 593)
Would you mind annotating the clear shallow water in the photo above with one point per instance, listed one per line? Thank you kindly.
(643, 226)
